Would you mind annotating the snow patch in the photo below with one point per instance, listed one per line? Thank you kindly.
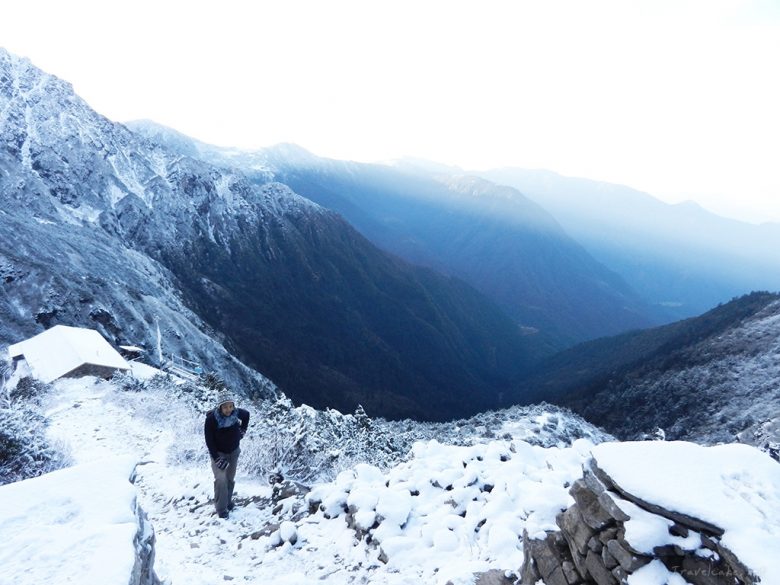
(74, 525)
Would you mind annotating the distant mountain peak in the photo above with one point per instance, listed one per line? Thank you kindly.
(20, 79)
(164, 136)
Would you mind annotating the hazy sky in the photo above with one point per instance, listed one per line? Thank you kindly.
(678, 98)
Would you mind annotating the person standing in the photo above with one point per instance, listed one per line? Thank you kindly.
(224, 428)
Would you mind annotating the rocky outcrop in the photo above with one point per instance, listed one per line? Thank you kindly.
(594, 544)
(143, 569)
(143, 543)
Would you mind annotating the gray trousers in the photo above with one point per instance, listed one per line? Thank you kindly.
(224, 480)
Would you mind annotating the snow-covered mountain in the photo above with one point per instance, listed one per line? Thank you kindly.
(103, 227)
(493, 237)
(680, 257)
(712, 378)
(76, 191)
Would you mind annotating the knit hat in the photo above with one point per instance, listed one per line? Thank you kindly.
(224, 396)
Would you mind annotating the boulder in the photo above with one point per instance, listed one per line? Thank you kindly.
(597, 571)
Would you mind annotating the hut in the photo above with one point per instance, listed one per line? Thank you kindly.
(68, 352)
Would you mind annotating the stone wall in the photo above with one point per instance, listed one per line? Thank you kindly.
(592, 545)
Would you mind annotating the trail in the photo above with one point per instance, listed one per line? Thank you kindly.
(194, 546)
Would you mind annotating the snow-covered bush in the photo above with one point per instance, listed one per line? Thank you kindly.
(24, 449)
(174, 408)
(308, 445)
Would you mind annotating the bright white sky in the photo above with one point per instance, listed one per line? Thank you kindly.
(675, 97)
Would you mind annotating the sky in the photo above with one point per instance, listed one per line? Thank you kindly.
(674, 97)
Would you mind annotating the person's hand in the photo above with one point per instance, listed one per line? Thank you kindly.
(243, 432)
(222, 463)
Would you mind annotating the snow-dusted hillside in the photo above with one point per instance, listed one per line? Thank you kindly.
(159, 425)
(438, 513)
(102, 227)
(713, 380)
(75, 187)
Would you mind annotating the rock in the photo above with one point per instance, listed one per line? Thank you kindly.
(609, 534)
(669, 551)
(628, 560)
(574, 528)
(700, 571)
(597, 507)
(579, 563)
(573, 576)
(610, 507)
(590, 508)
(709, 543)
(740, 570)
(267, 530)
(594, 544)
(620, 574)
(609, 561)
(594, 483)
(287, 489)
(597, 571)
(591, 546)
(529, 573)
(548, 559)
(493, 577)
(143, 541)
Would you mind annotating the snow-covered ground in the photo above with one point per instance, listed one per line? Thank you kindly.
(735, 487)
(456, 525)
(75, 525)
(442, 514)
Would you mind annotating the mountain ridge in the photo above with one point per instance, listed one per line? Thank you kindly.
(303, 282)
(679, 256)
(491, 236)
(708, 378)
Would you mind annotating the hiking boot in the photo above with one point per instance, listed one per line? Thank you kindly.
(223, 514)
(231, 505)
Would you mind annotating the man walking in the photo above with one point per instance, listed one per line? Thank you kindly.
(224, 428)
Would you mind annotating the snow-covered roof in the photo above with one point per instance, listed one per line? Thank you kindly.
(132, 348)
(58, 351)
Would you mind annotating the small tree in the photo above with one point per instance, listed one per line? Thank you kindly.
(213, 381)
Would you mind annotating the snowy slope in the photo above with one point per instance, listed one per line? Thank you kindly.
(437, 514)
(734, 487)
(162, 430)
(75, 525)
(714, 380)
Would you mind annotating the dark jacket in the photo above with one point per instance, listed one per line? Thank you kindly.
(224, 440)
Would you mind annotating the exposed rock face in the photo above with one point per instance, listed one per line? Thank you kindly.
(143, 569)
(592, 546)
